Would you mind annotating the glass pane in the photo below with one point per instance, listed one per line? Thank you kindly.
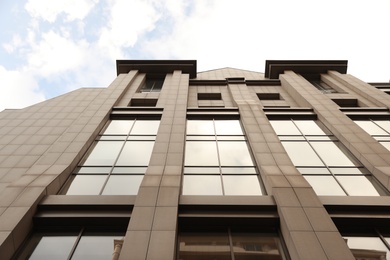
(123, 185)
(309, 127)
(238, 170)
(332, 155)
(205, 246)
(129, 170)
(104, 153)
(301, 154)
(228, 127)
(234, 153)
(202, 185)
(241, 185)
(95, 247)
(201, 153)
(385, 124)
(135, 153)
(313, 171)
(119, 127)
(285, 127)
(201, 170)
(53, 247)
(248, 246)
(86, 185)
(351, 171)
(367, 243)
(145, 127)
(93, 170)
(325, 185)
(200, 127)
(357, 185)
(370, 128)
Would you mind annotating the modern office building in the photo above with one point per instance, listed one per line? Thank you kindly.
(171, 163)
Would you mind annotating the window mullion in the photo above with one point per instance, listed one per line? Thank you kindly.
(75, 244)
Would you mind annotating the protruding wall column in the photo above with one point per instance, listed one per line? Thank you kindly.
(153, 225)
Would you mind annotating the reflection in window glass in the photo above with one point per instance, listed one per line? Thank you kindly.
(214, 150)
(114, 155)
(358, 185)
(52, 247)
(378, 129)
(285, 127)
(202, 185)
(327, 165)
(201, 154)
(94, 247)
(104, 153)
(123, 185)
(371, 128)
(301, 154)
(220, 245)
(86, 185)
(361, 247)
(325, 185)
(119, 127)
(234, 154)
(241, 185)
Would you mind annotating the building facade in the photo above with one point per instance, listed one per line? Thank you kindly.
(169, 163)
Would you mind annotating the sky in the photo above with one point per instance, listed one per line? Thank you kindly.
(48, 48)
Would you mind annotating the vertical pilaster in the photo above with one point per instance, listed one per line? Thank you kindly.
(153, 225)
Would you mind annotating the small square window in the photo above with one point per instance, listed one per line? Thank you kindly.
(268, 96)
(209, 96)
(143, 102)
(346, 102)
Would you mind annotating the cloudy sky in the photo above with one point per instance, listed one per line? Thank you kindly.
(49, 47)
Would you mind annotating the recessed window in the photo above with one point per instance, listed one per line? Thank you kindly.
(143, 102)
(371, 246)
(322, 86)
(117, 161)
(228, 243)
(217, 160)
(268, 96)
(153, 83)
(209, 96)
(346, 102)
(71, 245)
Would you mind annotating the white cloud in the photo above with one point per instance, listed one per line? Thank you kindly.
(49, 10)
(18, 89)
(55, 54)
(15, 43)
(128, 20)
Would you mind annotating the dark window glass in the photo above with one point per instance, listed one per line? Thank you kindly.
(153, 84)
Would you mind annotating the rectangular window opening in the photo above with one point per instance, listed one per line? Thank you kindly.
(209, 96)
(269, 96)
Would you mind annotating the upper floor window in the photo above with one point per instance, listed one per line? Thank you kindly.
(373, 245)
(117, 161)
(218, 160)
(324, 161)
(322, 86)
(153, 84)
(378, 129)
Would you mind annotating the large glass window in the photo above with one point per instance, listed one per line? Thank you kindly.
(369, 246)
(153, 84)
(323, 160)
(217, 160)
(228, 245)
(379, 129)
(71, 245)
(118, 160)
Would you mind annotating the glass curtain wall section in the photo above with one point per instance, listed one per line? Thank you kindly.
(229, 245)
(323, 160)
(73, 245)
(117, 161)
(378, 129)
(369, 246)
(217, 160)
